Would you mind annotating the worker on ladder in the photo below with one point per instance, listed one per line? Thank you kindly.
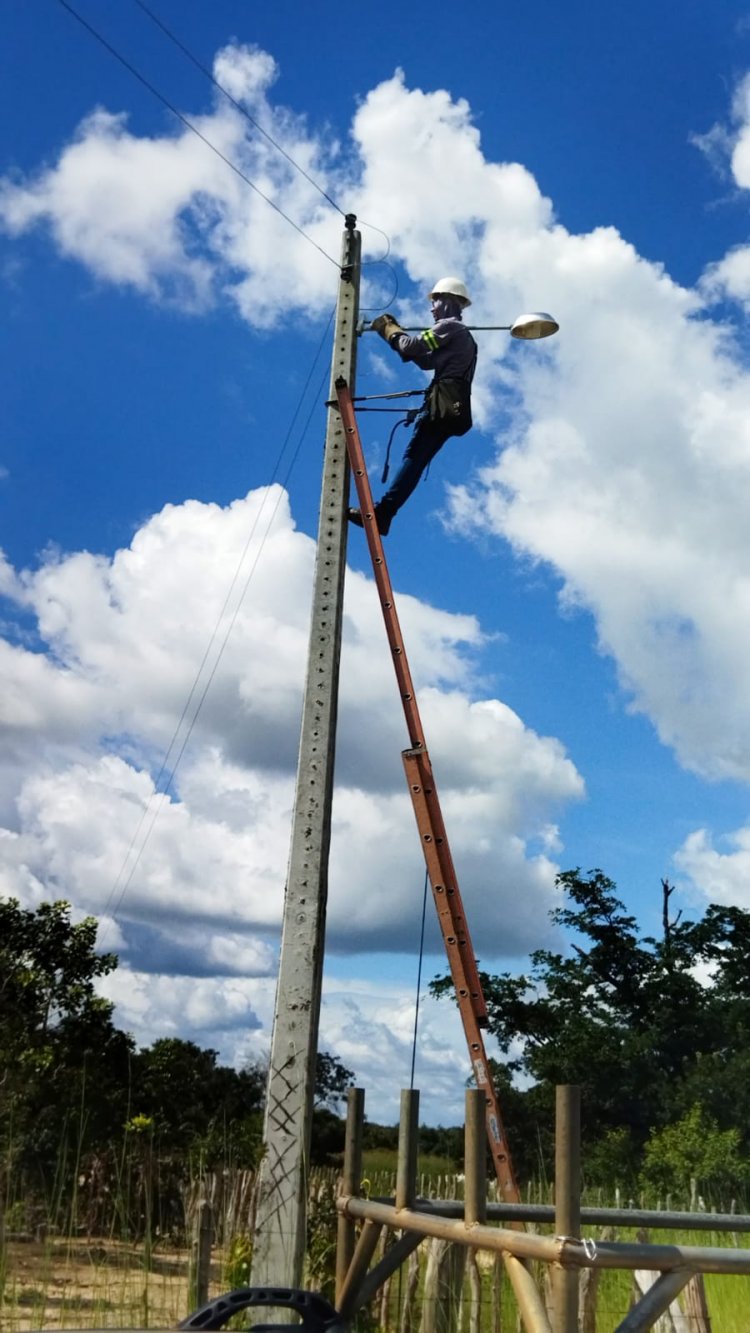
(448, 350)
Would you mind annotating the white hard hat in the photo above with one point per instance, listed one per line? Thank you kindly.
(451, 287)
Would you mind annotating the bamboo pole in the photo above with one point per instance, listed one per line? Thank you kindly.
(475, 1159)
(530, 1303)
(408, 1148)
(200, 1254)
(350, 1183)
(656, 1300)
(567, 1201)
(347, 1299)
(525, 1245)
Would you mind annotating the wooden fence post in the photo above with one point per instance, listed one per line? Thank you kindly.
(589, 1291)
(567, 1201)
(475, 1292)
(672, 1320)
(200, 1255)
(350, 1183)
(442, 1286)
(695, 1305)
(406, 1318)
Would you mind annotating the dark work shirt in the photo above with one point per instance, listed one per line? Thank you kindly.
(447, 348)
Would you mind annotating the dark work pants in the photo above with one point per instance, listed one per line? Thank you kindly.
(428, 438)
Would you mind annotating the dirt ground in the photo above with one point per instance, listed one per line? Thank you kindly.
(57, 1284)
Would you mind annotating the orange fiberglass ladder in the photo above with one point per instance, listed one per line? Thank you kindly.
(429, 818)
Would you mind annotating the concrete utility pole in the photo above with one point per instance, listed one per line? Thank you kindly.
(279, 1242)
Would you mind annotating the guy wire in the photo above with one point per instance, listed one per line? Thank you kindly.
(161, 795)
(419, 983)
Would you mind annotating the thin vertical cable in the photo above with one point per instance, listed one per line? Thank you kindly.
(419, 983)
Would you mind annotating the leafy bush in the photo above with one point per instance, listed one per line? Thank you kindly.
(694, 1149)
(613, 1158)
(237, 1265)
(322, 1221)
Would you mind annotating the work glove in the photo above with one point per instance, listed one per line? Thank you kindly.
(386, 325)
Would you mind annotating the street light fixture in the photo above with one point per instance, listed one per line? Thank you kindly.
(537, 324)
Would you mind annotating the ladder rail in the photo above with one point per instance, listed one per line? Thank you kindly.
(405, 683)
(428, 814)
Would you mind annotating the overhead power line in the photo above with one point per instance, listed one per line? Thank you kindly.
(169, 766)
(238, 105)
(125, 875)
(184, 120)
(193, 128)
(190, 55)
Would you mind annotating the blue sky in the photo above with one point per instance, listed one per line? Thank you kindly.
(573, 576)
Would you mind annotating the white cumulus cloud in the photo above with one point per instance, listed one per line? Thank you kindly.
(188, 884)
(621, 463)
(185, 870)
(623, 450)
(167, 216)
(718, 874)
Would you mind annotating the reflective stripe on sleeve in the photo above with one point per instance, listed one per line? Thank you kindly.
(429, 337)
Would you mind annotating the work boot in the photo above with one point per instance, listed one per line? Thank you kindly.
(383, 521)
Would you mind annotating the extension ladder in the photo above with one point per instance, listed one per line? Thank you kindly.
(434, 839)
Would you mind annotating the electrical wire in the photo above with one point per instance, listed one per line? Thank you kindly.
(256, 124)
(394, 294)
(408, 420)
(419, 983)
(382, 258)
(238, 105)
(184, 120)
(162, 796)
(126, 873)
(190, 55)
(193, 128)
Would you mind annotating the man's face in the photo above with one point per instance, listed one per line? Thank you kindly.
(444, 306)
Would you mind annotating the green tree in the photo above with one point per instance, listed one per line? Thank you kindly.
(332, 1080)
(65, 1066)
(49, 967)
(628, 1018)
(199, 1108)
(694, 1153)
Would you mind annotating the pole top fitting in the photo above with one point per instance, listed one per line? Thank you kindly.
(350, 221)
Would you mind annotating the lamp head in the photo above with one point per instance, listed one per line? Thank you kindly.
(536, 325)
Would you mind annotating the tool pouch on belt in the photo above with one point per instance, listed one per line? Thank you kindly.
(449, 402)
